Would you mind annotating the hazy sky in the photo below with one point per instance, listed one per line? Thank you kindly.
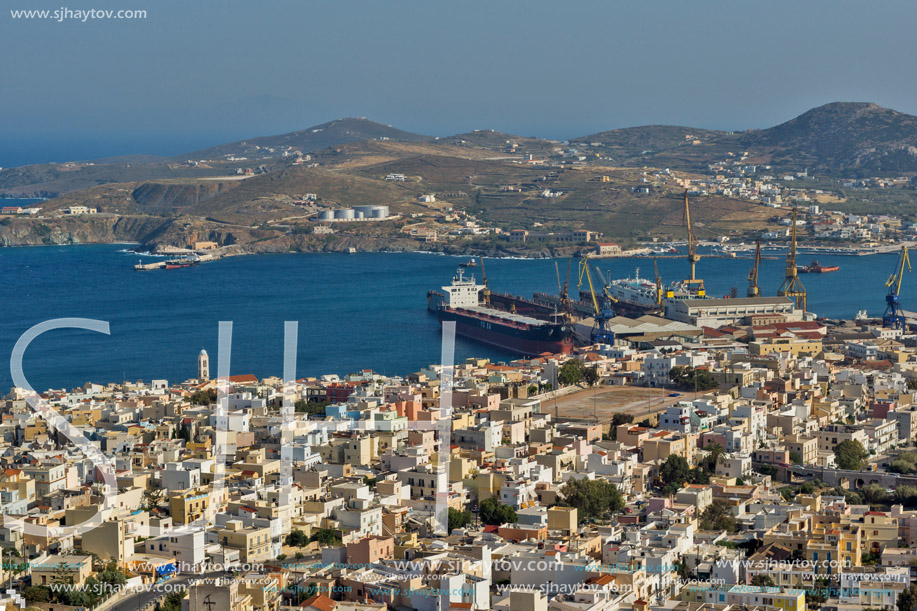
(199, 72)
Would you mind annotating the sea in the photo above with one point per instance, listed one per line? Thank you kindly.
(355, 311)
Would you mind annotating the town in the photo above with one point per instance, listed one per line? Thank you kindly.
(731, 460)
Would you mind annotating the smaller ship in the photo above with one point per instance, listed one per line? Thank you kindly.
(816, 268)
(179, 263)
(469, 263)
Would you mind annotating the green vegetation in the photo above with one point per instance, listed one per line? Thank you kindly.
(718, 516)
(495, 513)
(325, 536)
(571, 372)
(762, 581)
(203, 397)
(850, 455)
(906, 463)
(172, 602)
(907, 600)
(459, 519)
(296, 538)
(310, 407)
(689, 377)
(593, 498)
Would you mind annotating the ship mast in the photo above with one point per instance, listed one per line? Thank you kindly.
(792, 285)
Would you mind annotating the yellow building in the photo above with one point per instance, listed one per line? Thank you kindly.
(778, 345)
(254, 544)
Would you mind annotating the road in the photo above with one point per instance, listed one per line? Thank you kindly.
(140, 600)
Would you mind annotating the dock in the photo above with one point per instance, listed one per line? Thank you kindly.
(145, 267)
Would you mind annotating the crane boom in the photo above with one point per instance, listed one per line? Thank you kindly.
(753, 274)
(894, 317)
(792, 285)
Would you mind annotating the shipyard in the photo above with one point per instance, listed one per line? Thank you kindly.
(459, 306)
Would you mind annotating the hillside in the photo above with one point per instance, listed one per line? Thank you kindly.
(634, 143)
(842, 135)
(318, 137)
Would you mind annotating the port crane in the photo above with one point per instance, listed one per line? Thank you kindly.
(753, 274)
(894, 317)
(599, 334)
(564, 291)
(658, 282)
(485, 293)
(694, 283)
(792, 285)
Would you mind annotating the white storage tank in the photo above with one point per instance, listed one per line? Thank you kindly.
(344, 213)
(365, 210)
(326, 215)
(380, 212)
(358, 214)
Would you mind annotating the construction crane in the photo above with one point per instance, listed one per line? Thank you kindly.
(753, 274)
(658, 282)
(694, 283)
(602, 314)
(894, 316)
(792, 285)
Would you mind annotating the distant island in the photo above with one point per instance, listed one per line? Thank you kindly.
(482, 192)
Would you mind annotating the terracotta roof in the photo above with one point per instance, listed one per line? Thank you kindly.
(321, 602)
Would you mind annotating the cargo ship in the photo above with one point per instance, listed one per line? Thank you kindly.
(467, 304)
(816, 268)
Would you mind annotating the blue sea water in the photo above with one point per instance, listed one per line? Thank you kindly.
(355, 311)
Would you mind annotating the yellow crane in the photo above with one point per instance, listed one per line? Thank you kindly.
(753, 274)
(658, 282)
(792, 285)
(603, 314)
(894, 317)
(694, 283)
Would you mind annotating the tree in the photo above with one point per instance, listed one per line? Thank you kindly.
(874, 494)
(325, 536)
(495, 513)
(37, 594)
(591, 376)
(714, 450)
(458, 519)
(571, 372)
(297, 538)
(593, 498)
(718, 516)
(907, 600)
(151, 498)
(675, 470)
(763, 581)
(689, 377)
(795, 458)
(172, 601)
(850, 454)
(203, 397)
(907, 496)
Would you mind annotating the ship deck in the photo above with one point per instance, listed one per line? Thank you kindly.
(510, 316)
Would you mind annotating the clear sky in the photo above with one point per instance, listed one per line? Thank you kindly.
(200, 72)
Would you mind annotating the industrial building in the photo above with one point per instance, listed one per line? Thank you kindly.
(718, 312)
(357, 213)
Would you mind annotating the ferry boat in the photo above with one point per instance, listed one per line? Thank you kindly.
(461, 302)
